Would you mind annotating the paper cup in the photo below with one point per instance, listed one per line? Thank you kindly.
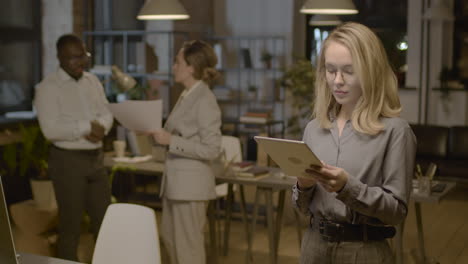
(119, 148)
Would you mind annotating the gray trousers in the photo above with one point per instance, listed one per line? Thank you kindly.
(81, 184)
(182, 231)
(315, 250)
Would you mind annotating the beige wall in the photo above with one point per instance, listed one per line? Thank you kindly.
(57, 19)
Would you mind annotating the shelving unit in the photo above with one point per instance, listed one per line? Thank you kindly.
(128, 50)
(241, 67)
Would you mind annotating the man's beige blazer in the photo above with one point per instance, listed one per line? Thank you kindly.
(195, 125)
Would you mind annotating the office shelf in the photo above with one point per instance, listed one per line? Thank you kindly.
(242, 67)
(128, 50)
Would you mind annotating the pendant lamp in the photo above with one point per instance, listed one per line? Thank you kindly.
(331, 7)
(324, 20)
(162, 10)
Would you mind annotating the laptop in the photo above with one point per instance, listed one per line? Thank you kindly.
(8, 254)
(7, 247)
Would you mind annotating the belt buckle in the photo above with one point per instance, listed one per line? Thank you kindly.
(331, 231)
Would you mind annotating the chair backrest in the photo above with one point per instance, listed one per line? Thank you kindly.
(458, 142)
(128, 234)
(432, 140)
(232, 149)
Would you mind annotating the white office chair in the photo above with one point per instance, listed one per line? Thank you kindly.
(231, 148)
(128, 234)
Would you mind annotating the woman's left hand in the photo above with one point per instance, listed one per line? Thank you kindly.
(161, 136)
(333, 179)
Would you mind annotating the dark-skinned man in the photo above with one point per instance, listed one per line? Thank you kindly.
(72, 113)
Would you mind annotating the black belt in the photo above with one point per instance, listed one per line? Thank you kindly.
(342, 232)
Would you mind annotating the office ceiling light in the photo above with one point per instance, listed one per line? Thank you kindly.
(162, 10)
(331, 7)
(324, 20)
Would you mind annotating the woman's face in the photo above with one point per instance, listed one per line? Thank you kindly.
(182, 71)
(341, 77)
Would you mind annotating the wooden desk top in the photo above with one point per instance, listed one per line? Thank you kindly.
(147, 167)
(153, 167)
(27, 258)
(434, 197)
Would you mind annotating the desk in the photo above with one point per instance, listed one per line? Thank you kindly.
(418, 199)
(26, 258)
(266, 185)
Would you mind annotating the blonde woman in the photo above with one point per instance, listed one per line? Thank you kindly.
(361, 192)
(193, 138)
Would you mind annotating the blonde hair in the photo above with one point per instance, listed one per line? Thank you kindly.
(378, 81)
(201, 56)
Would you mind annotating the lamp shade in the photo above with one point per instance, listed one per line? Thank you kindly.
(124, 81)
(162, 10)
(324, 20)
(332, 7)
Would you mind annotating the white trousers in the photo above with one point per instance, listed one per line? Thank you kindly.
(182, 231)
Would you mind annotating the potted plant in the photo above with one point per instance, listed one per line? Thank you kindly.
(28, 158)
(299, 82)
(252, 92)
(446, 76)
(266, 59)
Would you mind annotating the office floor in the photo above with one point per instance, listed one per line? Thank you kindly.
(445, 227)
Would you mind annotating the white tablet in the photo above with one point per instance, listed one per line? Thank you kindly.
(292, 156)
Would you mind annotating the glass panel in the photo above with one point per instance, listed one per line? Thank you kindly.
(16, 13)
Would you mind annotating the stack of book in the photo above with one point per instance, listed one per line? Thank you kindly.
(257, 117)
(242, 166)
(254, 172)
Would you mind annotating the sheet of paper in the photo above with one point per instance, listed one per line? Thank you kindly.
(138, 115)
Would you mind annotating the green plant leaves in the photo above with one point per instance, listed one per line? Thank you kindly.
(28, 156)
(299, 81)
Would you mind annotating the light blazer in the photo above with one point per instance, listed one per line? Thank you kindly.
(195, 125)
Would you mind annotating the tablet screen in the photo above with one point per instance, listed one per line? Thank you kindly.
(292, 156)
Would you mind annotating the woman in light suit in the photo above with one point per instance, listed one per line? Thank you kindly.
(193, 138)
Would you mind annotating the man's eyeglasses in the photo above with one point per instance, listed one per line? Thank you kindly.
(74, 59)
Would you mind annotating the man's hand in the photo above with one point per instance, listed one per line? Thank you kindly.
(333, 179)
(97, 132)
(161, 137)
